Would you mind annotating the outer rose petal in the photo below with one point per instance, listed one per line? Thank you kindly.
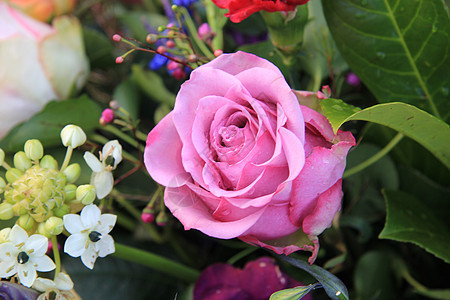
(192, 212)
(327, 205)
(162, 156)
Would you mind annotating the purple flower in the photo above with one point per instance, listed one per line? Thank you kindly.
(257, 281)
(352, 79)
(13, 291)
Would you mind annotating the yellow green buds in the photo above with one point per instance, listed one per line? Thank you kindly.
(72, 172)
(13, 174)
(48, 162)
(26, 221)
(21, 161)
(6, 211)
(34, 149)
(73, 136)
(2, 156)
(53, 226)
(86, 194)
(4, 235)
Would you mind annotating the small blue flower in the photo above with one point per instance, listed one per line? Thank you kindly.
(157, 62)
(184, 3)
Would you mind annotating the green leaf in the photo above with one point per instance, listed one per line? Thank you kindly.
(334, 287)
(399, 48)
(374, 277)
(294, 293)
(46, 125)
(138, 22)
(99, 48)
(127, 94)
(427, 130)
(410, 220)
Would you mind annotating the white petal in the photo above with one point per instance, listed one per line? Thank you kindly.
(76, 244)
(18, 235)
(63, 282)
(115, 149)
(103, 182)
(44, 284)
(105, 246)
(93, 162)
(90, 216)
(89, 256)
(43, 263)
(107, 222)
(8, 252)
(7, 268)
(72, 223)
(38, 243)
(27, 274)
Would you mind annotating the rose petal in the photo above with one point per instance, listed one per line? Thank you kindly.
(162, 156)
(187, 207)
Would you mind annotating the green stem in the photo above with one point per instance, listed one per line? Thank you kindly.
(156, 262)
(5, 165)
(67, 158)
(216, 21)
(117, 132)
(56, 255)
(374, 158)
(193, 31)
(137, 214)
(241, 254)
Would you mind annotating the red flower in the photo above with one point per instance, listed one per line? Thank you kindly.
(239, 10)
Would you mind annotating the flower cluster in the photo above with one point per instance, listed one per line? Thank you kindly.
(43, 198)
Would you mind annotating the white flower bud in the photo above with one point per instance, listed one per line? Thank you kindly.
(34, 149)
(73, 135)
(54, 225)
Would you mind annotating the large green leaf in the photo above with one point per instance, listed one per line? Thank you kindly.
(417, 124)
(399, 48)
(294, 293)
(410, 220)
(46, 125)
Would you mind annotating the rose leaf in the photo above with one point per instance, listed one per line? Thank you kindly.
(410, 220)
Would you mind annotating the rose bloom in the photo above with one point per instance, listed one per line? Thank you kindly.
(44, 10)
(239, 10)
(39, 63)
(240, 158)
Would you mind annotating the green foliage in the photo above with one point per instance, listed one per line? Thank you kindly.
(294, 293)
(422, 127)
(410, 220)
(46, 125)
(399, 49)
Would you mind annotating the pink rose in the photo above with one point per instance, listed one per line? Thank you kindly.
(240, 158)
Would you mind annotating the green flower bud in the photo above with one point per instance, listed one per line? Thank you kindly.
(72, 135)
(4, 234)
(34, 149)
(6, 211)
(42, 230)
(48, 162)
(2, 185)
(21, 161)
(54, 225)
(72, 172)
(70, 191)
(20, 208)
(61, 211)
(86, 194)
(26, 222)
(2, 156)
(13, 174)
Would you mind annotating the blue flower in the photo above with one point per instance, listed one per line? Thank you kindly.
(157, 62)
(184, 3)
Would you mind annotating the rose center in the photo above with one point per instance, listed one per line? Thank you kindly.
(22, 258)
(231, 136)
(95, 236)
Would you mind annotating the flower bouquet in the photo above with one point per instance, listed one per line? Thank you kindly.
(224, 149)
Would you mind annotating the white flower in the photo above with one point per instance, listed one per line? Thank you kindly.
(89, 234)
(102, 178)
(24, 255)
(62, 282)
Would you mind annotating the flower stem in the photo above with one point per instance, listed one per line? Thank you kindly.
(119, 133)
(136, 213)
(156, 262)
(374, 158)
(241, 254)
(56, 255)
(67, 158)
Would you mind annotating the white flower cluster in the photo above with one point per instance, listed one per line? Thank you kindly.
(24, 255)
